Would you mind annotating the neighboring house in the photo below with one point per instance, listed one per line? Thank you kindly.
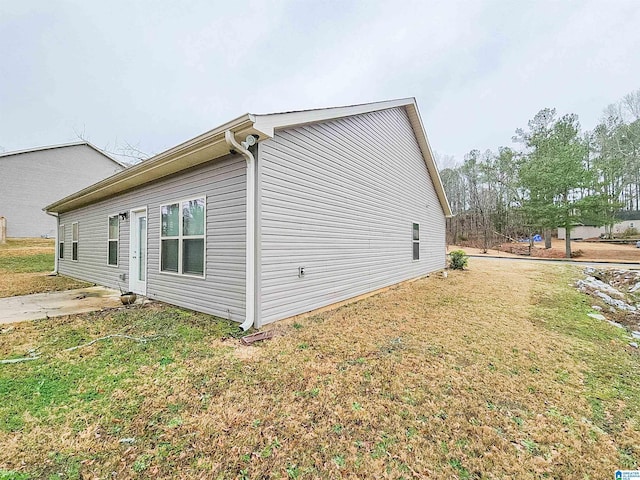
(30, 179)
(327, 205)
(580, 232)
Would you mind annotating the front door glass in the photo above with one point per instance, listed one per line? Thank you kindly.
(142, 248)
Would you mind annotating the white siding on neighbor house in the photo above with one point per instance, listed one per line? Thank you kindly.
(222, 291)
(339, 198)
(580, 232)
(30, 181)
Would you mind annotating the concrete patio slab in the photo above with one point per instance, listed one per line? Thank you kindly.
(55, 304)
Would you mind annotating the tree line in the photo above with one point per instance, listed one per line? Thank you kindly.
(556, 175)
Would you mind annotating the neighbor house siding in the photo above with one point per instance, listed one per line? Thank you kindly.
(580, 232)
(31, 180)
(222, 291)
(339, 198)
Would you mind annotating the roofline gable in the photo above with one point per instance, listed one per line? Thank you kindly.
(269, 123)
(62, 145)
(211, 145)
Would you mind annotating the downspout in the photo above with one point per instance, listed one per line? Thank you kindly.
(55, 257)
(250, 260)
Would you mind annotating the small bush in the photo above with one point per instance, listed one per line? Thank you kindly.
(458, 260)
(630, 232)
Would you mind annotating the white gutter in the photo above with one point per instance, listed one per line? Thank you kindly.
(55, 257)
(250, 246)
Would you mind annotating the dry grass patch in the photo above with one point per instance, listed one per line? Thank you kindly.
(12, 284)
(25, 265)
(26, 246)
(490, 373)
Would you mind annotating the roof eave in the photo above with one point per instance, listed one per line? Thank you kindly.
(270, 122)
(198, 150)
(63, 145)
(211, 145)
(427, 153)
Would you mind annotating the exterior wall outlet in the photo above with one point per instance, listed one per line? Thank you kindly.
(300, 272)
(122, 276)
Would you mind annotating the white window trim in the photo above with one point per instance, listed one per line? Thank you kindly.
(181, 237)
(413, 242)
(61, 241)
(117, 240)
(76, 241)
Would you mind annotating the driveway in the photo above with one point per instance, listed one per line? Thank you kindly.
(55, 304)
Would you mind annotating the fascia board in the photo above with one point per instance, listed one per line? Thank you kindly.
(427, 153)
(268, 123)
(203, 148)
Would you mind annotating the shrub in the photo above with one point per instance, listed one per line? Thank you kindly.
(458, 260)
(630, 232)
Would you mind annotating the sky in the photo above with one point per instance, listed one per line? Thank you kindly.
(153, 74)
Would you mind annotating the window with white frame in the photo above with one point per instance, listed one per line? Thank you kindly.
(182, 244)
(113, 240)
(61, 241)
(416, 241)
(74, 241)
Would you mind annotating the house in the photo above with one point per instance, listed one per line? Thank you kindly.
(266, 216)
(580, 232)
(32, 178)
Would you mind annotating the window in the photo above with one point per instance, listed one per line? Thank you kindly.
(182, 237)
(74, 241)
(61, 241)
(114, 236)
(416, 241)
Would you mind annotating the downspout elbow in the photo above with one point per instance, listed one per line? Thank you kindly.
(55, 257)
(250, 246)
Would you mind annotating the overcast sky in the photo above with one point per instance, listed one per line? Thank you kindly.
(156, 73)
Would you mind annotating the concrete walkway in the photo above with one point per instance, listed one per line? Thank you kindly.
(55, 304)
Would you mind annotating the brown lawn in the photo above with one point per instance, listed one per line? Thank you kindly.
(491, 373)
(25, 265)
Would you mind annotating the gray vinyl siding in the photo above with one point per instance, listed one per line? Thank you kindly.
(29, 181)
(222, 291)
(339, 198)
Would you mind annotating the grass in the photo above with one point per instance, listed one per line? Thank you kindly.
(491, 373)
(25, 265)
(610, 376)
(40, 262)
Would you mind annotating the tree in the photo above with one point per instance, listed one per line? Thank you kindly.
(610, 167)
(501, 174)
(512, 191)
(555, 176)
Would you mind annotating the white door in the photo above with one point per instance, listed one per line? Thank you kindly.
(138, 251)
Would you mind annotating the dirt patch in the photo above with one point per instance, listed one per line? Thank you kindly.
(587, 251)
(522, 249)
(12, 284)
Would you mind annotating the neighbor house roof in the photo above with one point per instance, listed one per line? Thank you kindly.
(63, 145)
(212, 145)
